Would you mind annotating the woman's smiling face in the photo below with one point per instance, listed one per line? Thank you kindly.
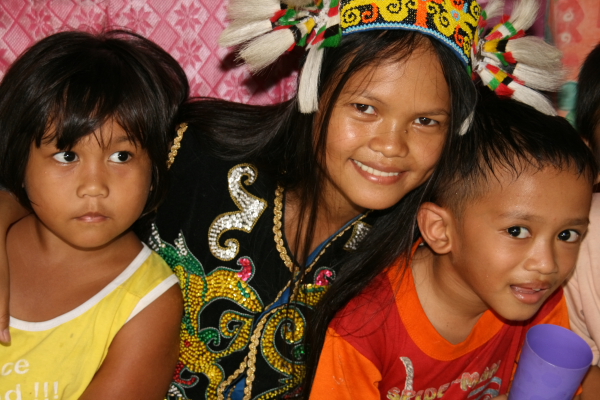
(386, 132)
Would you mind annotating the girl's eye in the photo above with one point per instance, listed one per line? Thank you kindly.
(569, 235)
(519, 232)
(425, 121)
(66, 157)
(365, 109)
(120, 156)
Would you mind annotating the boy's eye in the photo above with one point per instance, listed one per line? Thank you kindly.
(120, 156)
(425, 121)
(66, 157)
(518, 232)
(569, 235)
(365, 109)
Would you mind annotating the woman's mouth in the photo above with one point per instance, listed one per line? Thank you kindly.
(374, 171)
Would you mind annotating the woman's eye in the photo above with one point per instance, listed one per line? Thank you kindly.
(519, 232)
(425, 121)
(120, 156)
(365, 109)
(66, 157)
(569, 235)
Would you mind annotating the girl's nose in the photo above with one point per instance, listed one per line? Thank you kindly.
(93, 182)
(391, 142)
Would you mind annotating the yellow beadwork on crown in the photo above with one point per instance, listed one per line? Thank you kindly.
(454, 22)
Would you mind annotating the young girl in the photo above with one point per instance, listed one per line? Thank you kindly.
(84, 122)
(265, 200)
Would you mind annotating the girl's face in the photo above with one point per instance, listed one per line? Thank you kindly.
(90, 195)
(386, 132)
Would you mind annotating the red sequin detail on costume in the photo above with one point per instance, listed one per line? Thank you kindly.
(322, 278)
(246, 272)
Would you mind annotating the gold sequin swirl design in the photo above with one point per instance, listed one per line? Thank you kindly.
(199, 291)
(278, 212)
(176, 144)
(250, 206)
(289, 322)
(194, 349)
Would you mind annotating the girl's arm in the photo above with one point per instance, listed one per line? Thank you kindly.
(142, 357)
(10, 212)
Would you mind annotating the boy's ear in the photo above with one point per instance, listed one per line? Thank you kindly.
(435, 223)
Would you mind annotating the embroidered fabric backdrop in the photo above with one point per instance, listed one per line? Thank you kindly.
(189, 29)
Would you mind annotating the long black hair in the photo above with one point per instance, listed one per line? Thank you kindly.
(291, 145)
(75, 82)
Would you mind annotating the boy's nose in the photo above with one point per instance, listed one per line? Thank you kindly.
(542, 259)
(391, 141)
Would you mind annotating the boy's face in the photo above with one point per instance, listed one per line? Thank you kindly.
(515, 244)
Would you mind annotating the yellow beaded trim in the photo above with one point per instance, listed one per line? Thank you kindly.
(277, 229)
(176, 144)
(249, 362)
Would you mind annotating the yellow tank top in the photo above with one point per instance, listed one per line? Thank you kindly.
(57, 359)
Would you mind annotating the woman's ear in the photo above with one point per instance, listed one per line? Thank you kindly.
(435, 223)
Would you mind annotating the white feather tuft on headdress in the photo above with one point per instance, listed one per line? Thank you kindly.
(532, 98)
(308, 87)
(466, 124)
(549, 80)
(524, 14)
(237, 33)
(252, 10)
(265, 49)
(534, 51)
(494, 8)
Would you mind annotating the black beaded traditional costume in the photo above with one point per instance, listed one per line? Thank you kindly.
(220, 231)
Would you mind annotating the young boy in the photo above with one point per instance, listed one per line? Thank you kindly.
(501, 228)
(583, 288)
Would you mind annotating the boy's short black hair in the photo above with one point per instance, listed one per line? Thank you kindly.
(588, 100)
(509, 136)
(74, 82)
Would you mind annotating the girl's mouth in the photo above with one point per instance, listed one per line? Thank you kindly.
(373, 171)
(92, 217)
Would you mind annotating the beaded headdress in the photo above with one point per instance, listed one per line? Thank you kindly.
(504, 58)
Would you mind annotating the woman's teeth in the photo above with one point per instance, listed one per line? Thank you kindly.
(374, 171)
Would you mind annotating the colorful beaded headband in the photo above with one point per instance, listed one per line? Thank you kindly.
(505, 60)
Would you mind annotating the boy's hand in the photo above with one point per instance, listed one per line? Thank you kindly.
(10, 212)
(501, 397)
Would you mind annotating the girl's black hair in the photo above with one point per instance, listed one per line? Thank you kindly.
(588, 99)
(69, 84)
(504, 134)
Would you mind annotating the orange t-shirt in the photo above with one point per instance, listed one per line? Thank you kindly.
(383, 346)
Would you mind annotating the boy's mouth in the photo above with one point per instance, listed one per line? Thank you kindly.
(530, 293)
